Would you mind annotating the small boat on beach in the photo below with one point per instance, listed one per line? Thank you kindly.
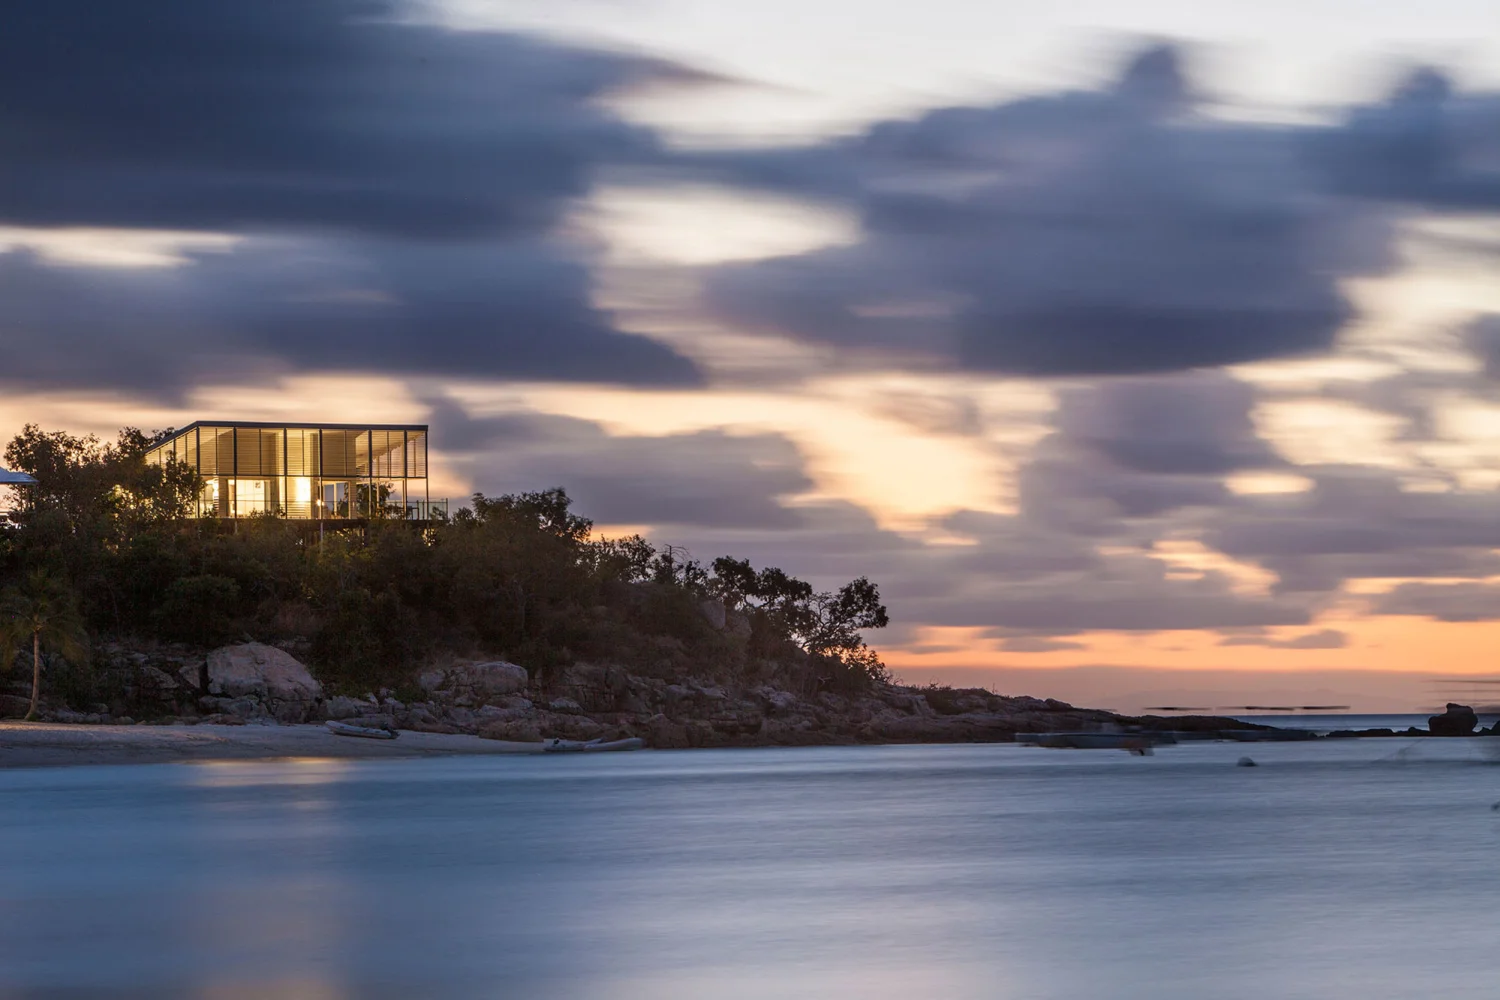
(365, 732)
(591, 746)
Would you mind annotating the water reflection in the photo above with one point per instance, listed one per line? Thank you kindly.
(290, 771)
(957, 872)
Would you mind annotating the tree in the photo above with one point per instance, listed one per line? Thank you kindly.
(102, 487)
(838, 618)
(546, 510)
(42, 610)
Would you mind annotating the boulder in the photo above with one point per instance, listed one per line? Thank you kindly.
(243, 707)
(713, 613)
(341, 707)
(152, 679)
(496, 677)
(191, 676)
(514, 730)
(252, 669)
(472, 682)
(779, 703)
(1458, 720)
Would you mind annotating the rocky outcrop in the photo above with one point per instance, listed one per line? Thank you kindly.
(257, 670)
(1458, 720)
(252, 682)
(474, 683)
(588, 701)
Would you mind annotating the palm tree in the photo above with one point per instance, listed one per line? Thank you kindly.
(42, 610)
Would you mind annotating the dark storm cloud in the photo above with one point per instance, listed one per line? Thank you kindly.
(230, 115)
(397, 184)
(1142, 447)
(1425, 145)
(709, 479)
(1082, 233)
(498, 309)
(1199, 425)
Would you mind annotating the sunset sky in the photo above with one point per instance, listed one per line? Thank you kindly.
(1161, 337)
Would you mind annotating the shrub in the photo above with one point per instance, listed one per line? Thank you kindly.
(199, 609)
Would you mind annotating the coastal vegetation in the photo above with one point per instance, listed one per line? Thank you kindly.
(105, 549)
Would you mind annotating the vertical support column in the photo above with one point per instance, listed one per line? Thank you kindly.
(317, 487)
(286, 472)
(234, 472)
(370, 474)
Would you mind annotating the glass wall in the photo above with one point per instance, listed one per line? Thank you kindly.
(305, 472)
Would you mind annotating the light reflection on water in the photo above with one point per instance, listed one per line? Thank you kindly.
(1365, 868)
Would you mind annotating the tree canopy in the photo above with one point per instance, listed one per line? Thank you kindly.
(518, 575)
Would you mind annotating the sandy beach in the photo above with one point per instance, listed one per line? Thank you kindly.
(42, 744)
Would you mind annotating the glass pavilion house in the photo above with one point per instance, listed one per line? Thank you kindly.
(306, 471)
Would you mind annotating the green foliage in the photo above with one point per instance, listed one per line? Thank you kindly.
(198, 609)
(546, 510)
(40, 612)
(516, 575)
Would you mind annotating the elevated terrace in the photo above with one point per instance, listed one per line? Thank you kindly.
(307, 471)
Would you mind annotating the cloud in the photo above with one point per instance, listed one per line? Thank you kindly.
(1199, 424)
(1038, 644)
(514, 309)
(1425, 145)
(344, 114)
(1446, 602)
(1322, 639)
(1483, 337)
(1104, 232)
(1358, 521)
(1131, 593)
(707, 479)
(1141, 447)
(397, 187)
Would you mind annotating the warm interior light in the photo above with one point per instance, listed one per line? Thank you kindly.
(301, 489)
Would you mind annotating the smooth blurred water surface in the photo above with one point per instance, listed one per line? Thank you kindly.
(1365, 868)
(1319, 722)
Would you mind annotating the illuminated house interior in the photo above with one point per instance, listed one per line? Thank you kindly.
(306, 471)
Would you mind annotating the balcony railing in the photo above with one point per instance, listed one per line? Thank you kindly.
(426, 510)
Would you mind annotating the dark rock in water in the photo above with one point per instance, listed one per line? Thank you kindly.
(1245, 762)
(1458, 720)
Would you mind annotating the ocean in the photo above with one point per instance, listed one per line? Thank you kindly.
(1362, 868)
(1325, 723)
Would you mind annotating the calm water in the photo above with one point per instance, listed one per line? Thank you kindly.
(1326, 723)
(1369, 869)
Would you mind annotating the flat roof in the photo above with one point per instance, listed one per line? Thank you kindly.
(312, 425)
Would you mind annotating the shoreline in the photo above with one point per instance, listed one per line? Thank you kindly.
(60, 744)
